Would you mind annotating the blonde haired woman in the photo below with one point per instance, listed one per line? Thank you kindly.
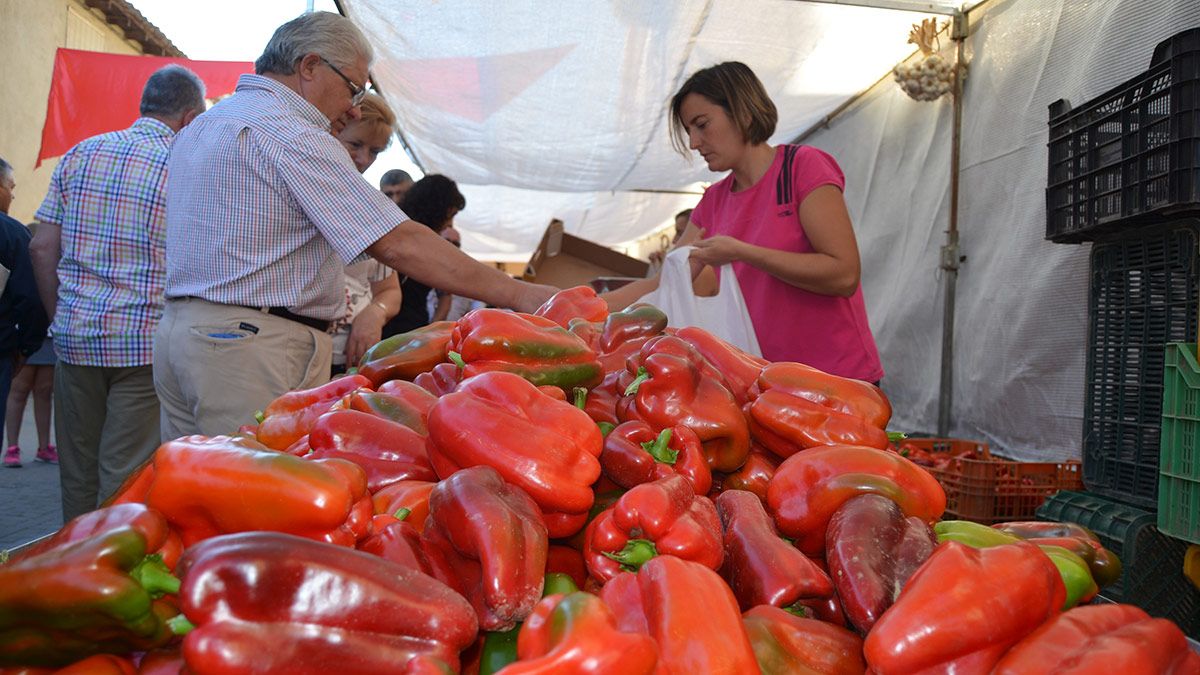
(372, 289)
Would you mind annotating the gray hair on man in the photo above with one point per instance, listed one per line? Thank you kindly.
(331, 36)
(5, 167)
(171, 91)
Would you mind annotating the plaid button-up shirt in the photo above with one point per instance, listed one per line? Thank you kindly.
(262, 202)
(107, 196)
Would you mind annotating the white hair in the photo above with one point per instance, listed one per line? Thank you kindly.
(326, 34)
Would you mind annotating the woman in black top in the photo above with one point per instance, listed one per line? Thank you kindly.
(434, 200)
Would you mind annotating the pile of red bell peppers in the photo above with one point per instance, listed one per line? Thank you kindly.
(572, 491)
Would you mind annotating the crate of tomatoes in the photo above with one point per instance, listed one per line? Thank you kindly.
(987, 488)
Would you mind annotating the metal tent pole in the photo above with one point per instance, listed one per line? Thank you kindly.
(950, 254)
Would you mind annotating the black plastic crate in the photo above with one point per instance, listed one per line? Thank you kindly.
(1144, 287)
(1130, 155)
(1117, 525)
(1155, 581)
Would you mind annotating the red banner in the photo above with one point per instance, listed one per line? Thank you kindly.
(94, 92)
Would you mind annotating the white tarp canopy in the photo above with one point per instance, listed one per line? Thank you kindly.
(568, 99)
(1021, 322)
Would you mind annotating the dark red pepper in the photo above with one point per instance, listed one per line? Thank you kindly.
(486, 538)
(634, 454)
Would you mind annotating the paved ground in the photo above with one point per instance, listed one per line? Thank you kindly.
(29, 496)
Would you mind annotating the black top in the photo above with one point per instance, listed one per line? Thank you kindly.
(22, 320)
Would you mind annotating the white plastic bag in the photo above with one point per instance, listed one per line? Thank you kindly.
(724, 314)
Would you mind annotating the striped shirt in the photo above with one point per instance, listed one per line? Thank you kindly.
(107, 195)
(264, 206)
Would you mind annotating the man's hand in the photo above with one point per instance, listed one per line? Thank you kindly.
(531, 296)
(365, 332)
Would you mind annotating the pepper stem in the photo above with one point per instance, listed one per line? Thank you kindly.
(180, 625)
(659, 449)
(402, 513)
(457, 360)
(642, 376)
(799, 610)
(606, 427)
(580, 397)
(259, 416)
(896, 436)
(634, 555)
(152, 574)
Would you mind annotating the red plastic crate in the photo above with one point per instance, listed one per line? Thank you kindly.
(993, 489)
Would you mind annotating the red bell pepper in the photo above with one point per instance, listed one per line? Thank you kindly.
(533, 347)
(292, 415)
(441, 380)
(675, 391)
(138, 516)
(601, 401)
(578, 302)
(786, 644)
(168, 661)
(409, 407)
(754, 476)
(100, 664)
(270, 602)
(808, 487)
(634, 454)
(577, 633)
(872, 550)
(624, 333)
(386, 451)
(634, 322)
(548, 448)
(786, 424)
(209, 486)
(691, 614)
(566, 560)
(95, 593)
(760, 566)
(397, 540)
(851, 397)
(661, 518)
(739, 369)
(1102, 639)
(794, 407)
(486, 538)
(411, 495)
(404, 356)
(964, 608)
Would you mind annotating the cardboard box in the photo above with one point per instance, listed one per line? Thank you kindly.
(564, 260)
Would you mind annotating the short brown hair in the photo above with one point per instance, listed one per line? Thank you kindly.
(734, 87)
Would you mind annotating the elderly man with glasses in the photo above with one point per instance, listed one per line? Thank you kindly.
(264, 210)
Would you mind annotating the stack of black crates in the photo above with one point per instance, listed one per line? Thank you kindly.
(1124, 174)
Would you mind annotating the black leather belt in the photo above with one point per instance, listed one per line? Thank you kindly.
(283, 313)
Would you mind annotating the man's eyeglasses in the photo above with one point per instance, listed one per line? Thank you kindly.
(357, 93)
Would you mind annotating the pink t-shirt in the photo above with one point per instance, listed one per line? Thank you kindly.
(826, 332)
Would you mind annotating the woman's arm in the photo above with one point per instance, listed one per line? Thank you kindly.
(833, 268)
(367, 328)
(443, 307)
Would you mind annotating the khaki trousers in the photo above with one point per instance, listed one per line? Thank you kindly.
(106, 424)
(216, 365)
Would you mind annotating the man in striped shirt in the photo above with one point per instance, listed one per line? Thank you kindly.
(99, 260)
(264, 210)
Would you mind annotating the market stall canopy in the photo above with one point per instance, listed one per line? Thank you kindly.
(571, 97)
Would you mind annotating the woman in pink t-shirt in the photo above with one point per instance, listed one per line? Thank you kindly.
(780, 219)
